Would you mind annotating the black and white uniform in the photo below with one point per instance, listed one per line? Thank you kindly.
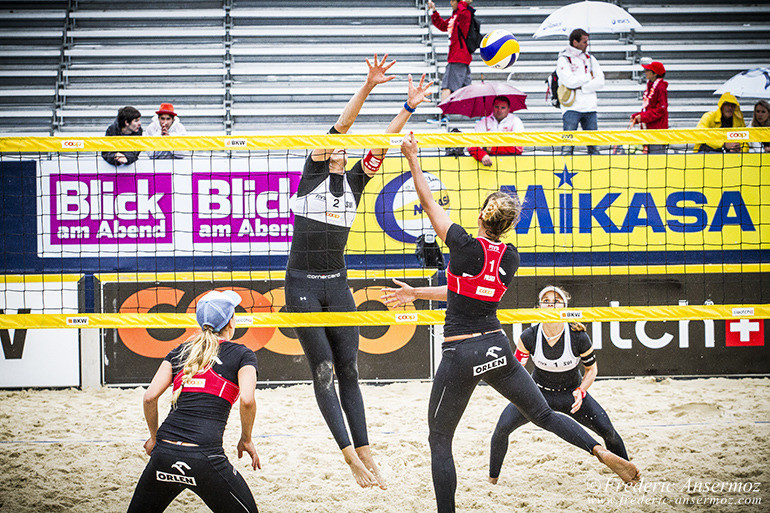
(557, 373)
(199, 418)
(487, 356)
(316, 281)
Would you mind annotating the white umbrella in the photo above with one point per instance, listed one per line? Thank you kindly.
(593, 17)
(753, 83)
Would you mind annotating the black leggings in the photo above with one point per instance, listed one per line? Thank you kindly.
(330, 350)
(590, 414)
(463, 365)
(206, 472)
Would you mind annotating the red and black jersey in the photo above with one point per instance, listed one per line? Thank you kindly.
(474, 290)
(203, 406)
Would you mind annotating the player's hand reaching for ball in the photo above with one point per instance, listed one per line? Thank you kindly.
(377, 71)
(417, 94)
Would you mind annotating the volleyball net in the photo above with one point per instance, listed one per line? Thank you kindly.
(633, 236)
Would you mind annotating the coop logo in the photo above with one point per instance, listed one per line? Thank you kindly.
(73, 144)
(236, 143)
(406, 317)
(398, 209)
(738, 136)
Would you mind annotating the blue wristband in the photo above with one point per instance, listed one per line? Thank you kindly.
(408, 108)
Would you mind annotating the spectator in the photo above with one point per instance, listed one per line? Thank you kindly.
(761, 118)
(654, 113)
(582, 76)
(501, 120)
(127, 123)
(458, 70)
(166, 122)
(727, 115)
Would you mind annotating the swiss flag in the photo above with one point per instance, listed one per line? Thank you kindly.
(744, 332)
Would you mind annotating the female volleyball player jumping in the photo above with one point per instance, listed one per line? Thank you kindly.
(208, 373)
(316, 278)
(475, 346)
(557, 349)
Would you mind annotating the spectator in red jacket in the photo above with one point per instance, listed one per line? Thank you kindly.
(501, 120)
(654, 113)
(458, 70)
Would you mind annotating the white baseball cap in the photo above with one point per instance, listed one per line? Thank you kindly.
(216, 308)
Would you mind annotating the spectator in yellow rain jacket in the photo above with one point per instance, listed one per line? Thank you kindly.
(727, 115)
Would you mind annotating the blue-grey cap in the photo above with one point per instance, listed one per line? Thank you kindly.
(216, 308)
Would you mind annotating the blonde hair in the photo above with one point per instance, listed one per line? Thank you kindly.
(499, 213)
(197, 355)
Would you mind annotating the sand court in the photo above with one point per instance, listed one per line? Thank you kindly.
(700, 444)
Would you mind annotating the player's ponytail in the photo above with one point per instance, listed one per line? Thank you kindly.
(499, 213)
(197, 355)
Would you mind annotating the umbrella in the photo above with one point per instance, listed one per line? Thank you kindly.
(476, 99)
(753, 83)
(593, 17)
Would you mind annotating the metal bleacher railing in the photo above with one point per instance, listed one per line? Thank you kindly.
(238, 66)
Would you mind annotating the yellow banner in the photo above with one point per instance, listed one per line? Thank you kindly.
(618, 203)
(427, 140)
(385, 318)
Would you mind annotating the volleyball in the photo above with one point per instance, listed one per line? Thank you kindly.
(499, 49)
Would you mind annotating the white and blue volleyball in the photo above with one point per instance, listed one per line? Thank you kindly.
(499, 49)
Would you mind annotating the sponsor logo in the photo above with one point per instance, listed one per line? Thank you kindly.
(396, 141)
(496, 249)
(175, 478)
(484, 291)
(236, 143)
(333, 215)
(489, 277)
(406, 317)
(73, 144)
(244, 320)
(744, 332)
(77, 321)
(567, 137)
(492, 351)
(398, 210)
(737, 136)
(571, 314)
(181, 466)
(494, 364)
(193, 383)
(743, 312)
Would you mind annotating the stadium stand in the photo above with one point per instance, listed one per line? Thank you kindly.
(238, 66)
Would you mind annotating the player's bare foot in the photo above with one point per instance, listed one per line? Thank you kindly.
(366, 457)
(364, 478)
(622, 467)
(492, 480)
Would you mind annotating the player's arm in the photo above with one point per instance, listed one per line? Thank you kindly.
(521, 353)
(160, 382)
(407, 294)
(247, 382)
(437, 215)
(375, 76)
(592, 369)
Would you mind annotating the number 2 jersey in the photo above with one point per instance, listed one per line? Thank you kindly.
(324, 210)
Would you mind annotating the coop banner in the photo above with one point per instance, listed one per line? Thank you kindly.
(39, 357)
(739, 346)
(133, 355)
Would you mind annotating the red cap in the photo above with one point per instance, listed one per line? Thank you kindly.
(656, 67)
(165, 108)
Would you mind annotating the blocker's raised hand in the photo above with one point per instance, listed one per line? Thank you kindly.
(418, 94)
(377, 71)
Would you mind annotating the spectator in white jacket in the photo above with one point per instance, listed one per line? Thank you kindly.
(166, 122)
(582, 76)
